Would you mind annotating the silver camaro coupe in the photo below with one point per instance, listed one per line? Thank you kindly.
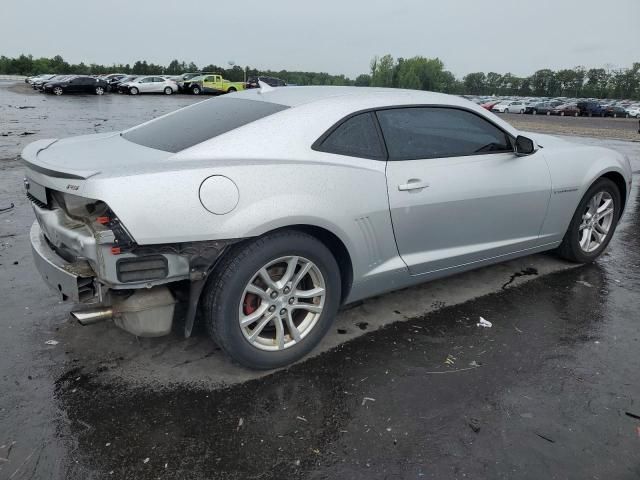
(261, 212)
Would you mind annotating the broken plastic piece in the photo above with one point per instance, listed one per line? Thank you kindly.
(484, 323)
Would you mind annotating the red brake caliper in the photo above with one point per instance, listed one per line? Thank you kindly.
(251, 303)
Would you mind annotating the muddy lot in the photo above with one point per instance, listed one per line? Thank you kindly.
(406, 385)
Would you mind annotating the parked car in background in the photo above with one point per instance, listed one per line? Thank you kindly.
(77, 84)
(252, 82)
(149, 84)
(591, 109)
(114, 83)
(39, 83)
(40, 78)
(489, 105)
(567, 109)
(542, 108)
(211, 83)
(512, 106)
(164, 212)
(634, 111)
(616, 111)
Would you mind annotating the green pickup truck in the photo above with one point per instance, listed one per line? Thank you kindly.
(211, 83)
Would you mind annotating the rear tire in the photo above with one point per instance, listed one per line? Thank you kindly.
(168, 91)
(226, 299)
(99, 90)
(570, 248)
(231, 90)
(506, 110)
(58, 91)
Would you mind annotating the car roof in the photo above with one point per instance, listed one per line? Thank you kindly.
(296, 96)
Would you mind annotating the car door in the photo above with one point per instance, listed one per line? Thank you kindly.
(74, 85)
(145, 84)
(158, 84)
(457, 192)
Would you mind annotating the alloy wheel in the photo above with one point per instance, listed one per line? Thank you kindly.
(596, 222)
(58, 90)
(282, 303)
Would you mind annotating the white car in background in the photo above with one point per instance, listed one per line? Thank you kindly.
(150, 84)
(634, 111)
(512, 106)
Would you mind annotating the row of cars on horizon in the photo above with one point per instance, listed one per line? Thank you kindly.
(573, 107)
(195, 83)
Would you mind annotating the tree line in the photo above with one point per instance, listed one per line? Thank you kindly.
(416, 73)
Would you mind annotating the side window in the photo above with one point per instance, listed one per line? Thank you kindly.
(433, 132)
(355, 137)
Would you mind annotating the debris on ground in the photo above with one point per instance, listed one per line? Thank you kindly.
(24, 134)
(367, 399)
(450, 360)
(632, 415)
(550, 440)
(6, 209)
(586, 284)
(51, 342)
(146, 460)
(240, 423)
(362, 325)
(302, 419)
(484, 323)
(474, 424)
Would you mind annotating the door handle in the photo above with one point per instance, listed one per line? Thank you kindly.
(413, 184)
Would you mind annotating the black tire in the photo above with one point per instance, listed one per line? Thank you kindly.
(100, 90)
(133, 91)
(570, 248)
(225, 287)
(548, 112)
(534, 112)
(231, 90)
(168, 90)
(196, 90)
(58, 91)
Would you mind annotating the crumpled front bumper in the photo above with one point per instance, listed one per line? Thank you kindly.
(74, 281)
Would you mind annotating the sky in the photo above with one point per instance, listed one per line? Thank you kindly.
(334, 36)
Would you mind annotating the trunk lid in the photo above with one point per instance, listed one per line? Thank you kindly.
(89, 155)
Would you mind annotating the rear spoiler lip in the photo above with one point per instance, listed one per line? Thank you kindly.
(29, 157)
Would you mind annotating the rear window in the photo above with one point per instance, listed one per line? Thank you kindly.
(200, 122)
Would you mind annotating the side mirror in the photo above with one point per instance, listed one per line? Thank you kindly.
(524, 146)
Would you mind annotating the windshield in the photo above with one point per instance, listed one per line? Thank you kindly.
(195, 124)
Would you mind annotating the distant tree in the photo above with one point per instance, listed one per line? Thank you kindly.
(382, 71)
(363, 80)
(474, 83)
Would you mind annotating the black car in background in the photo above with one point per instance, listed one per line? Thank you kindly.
(542, 108)
(616, 112)
(114, 84)
(113, 80)
(591, 109)
(252, 82)
(79, 84)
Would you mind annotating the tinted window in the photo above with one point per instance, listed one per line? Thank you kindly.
(199, 122)
(356, 137)
(423, 132)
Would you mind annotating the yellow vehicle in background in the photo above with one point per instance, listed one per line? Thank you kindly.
(211, 83)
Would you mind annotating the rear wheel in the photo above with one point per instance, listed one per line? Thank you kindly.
(549, 112)
(168, 90)
(134, 91)
(534, 111)
(575, 114)
(271, 300)
(593, 223)
(506, 110)
(99, 90)
(58, 90)
(231, 90)
(562, 114)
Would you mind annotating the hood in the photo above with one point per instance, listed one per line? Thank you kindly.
(545, 141)
(89, 155)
